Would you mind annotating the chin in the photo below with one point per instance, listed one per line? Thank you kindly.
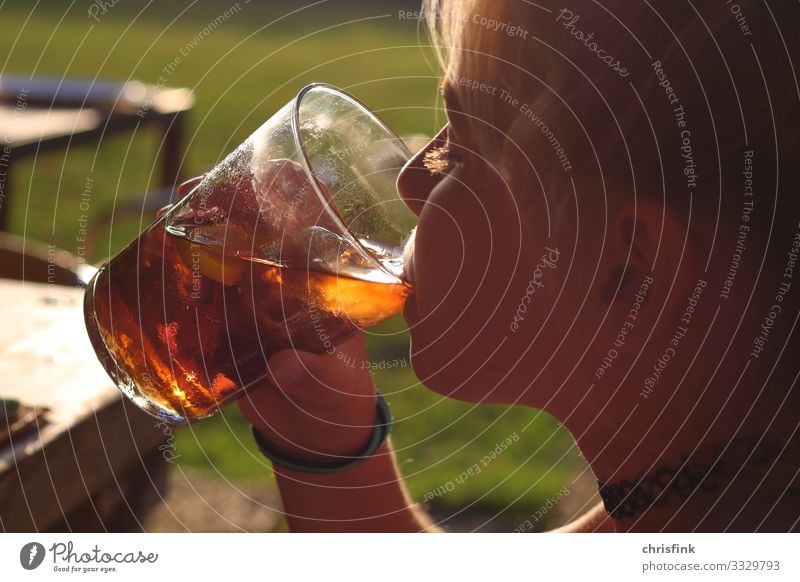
(453, 380)
(447, 370)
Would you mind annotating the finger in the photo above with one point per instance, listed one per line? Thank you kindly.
(181, 191)
(288, 367)
(323, 376)
(302, 381)
(295, 371)
(188, 185)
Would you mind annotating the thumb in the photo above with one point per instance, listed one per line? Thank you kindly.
(186, 187)
(300, 373)
(290, 370)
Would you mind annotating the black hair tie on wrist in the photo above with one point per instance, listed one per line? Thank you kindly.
(380, 432)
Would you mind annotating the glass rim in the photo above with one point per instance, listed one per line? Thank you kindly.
(327, 202)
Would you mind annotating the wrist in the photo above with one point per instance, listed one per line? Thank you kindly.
(319, 445)
(325, 441)
(311, 431)
(354, 477)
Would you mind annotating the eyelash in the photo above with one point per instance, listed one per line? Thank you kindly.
(440, 160)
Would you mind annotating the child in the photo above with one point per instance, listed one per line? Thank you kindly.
(608, 231)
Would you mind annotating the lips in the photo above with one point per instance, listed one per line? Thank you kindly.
(410, 312)
(408, 256)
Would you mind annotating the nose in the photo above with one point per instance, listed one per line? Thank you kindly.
(415, 182)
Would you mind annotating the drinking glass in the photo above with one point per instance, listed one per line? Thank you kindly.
(295, 240)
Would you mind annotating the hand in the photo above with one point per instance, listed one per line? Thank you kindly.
(315, 405)
(312, 405)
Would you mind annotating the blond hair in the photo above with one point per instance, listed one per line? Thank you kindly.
(617, 127)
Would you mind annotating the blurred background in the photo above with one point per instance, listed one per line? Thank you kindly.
(241, 68)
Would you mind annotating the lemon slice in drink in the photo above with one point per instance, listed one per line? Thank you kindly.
(216, 251)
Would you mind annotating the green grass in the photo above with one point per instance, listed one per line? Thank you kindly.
(241, 73)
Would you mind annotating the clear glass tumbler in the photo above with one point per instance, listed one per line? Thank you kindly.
(295, 240)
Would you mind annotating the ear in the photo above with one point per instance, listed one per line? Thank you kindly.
(648, 239)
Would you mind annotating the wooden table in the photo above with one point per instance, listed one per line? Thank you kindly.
(95, 465)
(28, 128)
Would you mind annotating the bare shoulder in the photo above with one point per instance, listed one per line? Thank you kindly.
(596, 520)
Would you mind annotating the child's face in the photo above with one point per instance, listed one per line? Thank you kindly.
(484, 280)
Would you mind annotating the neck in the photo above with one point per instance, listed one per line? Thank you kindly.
(713, 461)
(748, 484)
